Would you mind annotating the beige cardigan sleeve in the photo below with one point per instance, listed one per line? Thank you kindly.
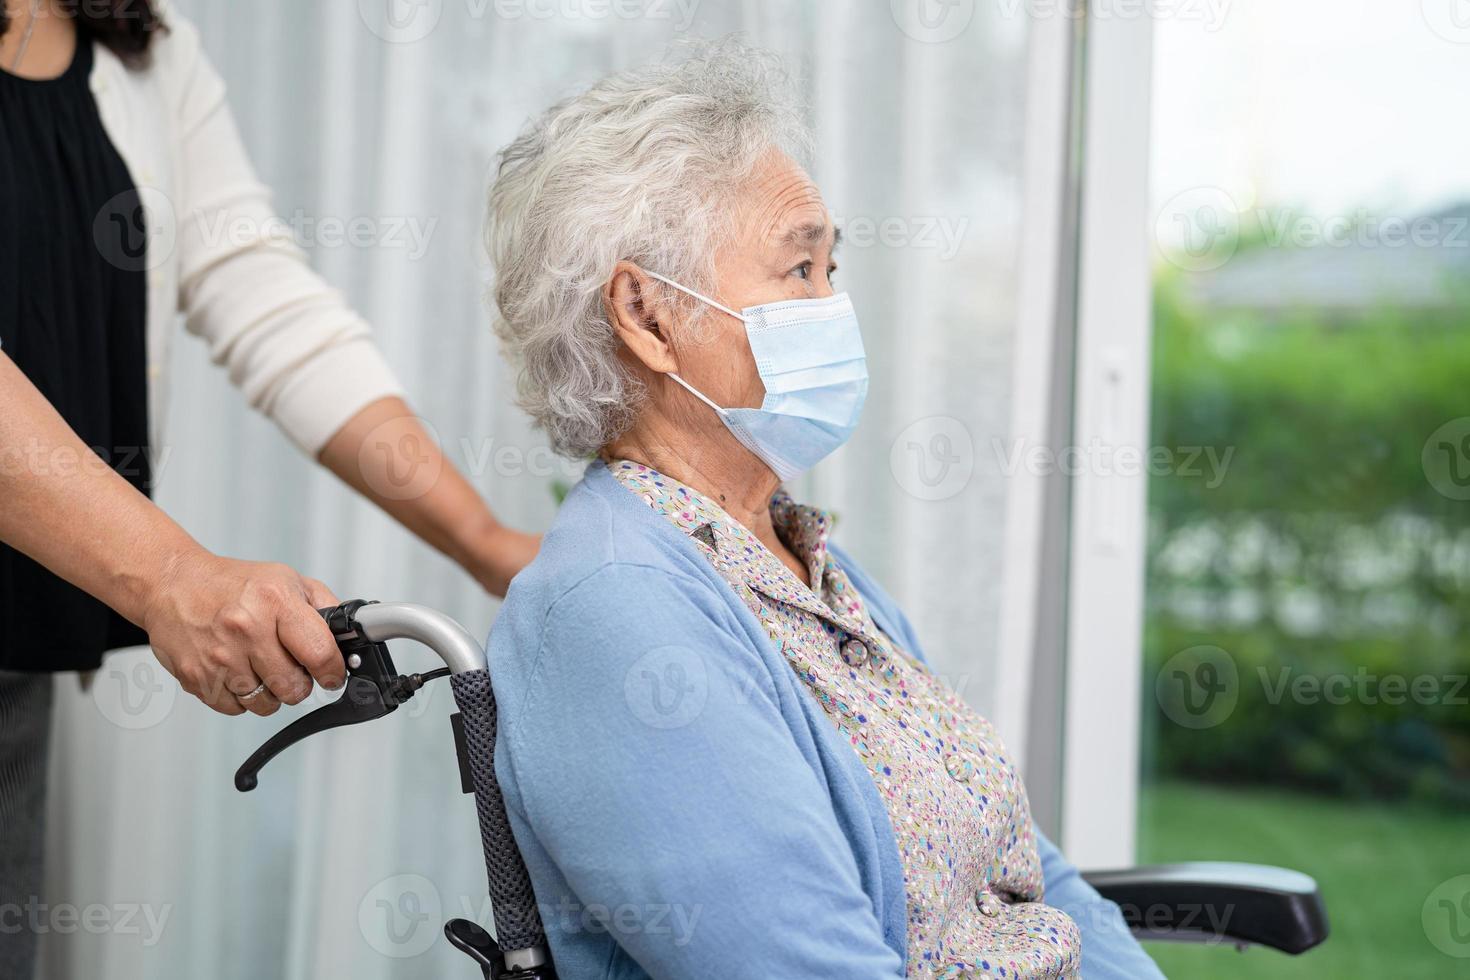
(289, 341)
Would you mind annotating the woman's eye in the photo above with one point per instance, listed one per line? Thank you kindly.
(803, 271)
(831, 274)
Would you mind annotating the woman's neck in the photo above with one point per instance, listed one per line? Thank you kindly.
(741, 484)
(698, 451)
(52, 43)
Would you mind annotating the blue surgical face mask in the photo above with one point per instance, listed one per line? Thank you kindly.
(809, 353)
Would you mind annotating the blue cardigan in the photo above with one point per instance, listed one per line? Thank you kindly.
(685, 807)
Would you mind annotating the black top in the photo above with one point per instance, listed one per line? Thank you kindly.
(73, 306)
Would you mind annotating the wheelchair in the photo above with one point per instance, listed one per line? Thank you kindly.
(1213, 902)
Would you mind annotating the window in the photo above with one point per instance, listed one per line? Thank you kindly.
(1308, 552)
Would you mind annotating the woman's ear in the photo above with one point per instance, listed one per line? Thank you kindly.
(639, 317)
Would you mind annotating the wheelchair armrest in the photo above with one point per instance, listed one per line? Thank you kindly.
(1206, 901)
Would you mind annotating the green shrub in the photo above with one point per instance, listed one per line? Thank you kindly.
(1323, 552)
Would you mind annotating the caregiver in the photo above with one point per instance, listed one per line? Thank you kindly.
(118, 155)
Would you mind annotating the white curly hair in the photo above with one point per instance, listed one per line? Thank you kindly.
(642, 166)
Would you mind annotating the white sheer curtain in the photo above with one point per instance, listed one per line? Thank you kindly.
(355, 846)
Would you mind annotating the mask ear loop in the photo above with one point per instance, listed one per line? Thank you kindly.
(697, 393)
(698, 296)
(719, 306)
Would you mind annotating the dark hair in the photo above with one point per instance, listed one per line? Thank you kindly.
(125, 26)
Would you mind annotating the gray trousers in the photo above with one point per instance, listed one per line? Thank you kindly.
(25, 725)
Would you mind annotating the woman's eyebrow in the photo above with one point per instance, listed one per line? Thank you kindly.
(809, 234)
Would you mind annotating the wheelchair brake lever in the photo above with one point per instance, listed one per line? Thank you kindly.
(373, 690)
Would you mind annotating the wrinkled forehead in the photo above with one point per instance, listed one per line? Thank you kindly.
(780, 210)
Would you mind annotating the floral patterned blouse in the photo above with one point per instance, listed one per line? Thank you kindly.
(972, 876)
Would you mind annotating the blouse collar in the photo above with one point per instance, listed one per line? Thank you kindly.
(802, 528)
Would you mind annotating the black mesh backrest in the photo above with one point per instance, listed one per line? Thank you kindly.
(517, 922)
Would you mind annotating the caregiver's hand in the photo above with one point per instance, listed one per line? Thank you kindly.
(223, 627)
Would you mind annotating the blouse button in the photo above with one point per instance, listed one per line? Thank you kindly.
(855, 653)
(960, 768)
(987, 903)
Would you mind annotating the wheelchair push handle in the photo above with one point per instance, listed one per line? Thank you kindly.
(374, 688)
(380, 622)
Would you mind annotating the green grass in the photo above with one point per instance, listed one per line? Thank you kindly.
(1375, 864)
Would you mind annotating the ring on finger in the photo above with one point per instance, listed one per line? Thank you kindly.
(247, 698)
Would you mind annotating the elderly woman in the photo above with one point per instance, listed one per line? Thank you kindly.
(722, 751)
